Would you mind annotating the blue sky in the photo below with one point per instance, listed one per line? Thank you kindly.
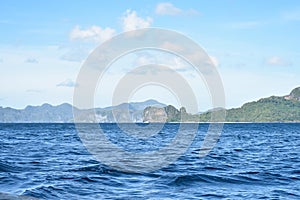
(255, 44)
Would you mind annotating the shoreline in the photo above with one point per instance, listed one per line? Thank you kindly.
(288, 122)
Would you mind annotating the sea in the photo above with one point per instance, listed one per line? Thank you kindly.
(249, 161)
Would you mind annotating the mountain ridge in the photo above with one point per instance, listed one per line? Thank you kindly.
(63, 113)
(270, 109)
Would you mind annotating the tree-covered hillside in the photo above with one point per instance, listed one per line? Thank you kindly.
(295, 94)
(272, 109)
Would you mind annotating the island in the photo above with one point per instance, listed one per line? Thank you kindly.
(272, 109)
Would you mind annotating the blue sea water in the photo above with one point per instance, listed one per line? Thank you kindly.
(250, 161)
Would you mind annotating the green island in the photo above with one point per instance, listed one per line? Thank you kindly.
(271, 109)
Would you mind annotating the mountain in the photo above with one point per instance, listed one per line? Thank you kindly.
(168, 114)
(44, 113)
(125, 112)
(271, 109)
(134, 105)
(145, 104)
(63, 113)
(295, 94)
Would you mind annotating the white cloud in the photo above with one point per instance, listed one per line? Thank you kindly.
(43, 76)
(131, 21)
(167, 9)
(32, 60)
(93, 34)
(67, 83)
(174, 62)
(278, 61)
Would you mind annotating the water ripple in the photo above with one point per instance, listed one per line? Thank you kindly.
(250, 161)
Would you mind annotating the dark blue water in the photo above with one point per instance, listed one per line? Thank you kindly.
(250, 161)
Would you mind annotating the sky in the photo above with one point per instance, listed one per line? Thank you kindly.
(43, 45)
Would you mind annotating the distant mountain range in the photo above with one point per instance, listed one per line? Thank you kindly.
(63, 113)
(271, 109)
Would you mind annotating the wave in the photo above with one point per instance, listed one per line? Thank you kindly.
(8, 168)
(6, 196)
(204, 178)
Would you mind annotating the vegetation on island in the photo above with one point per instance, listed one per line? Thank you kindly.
(271, 109)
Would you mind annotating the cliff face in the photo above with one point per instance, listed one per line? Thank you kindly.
(154, 114)
(271, 109)
(167, 114)
(295, 94)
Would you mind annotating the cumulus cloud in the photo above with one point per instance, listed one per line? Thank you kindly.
(174, 62)
(67, 83)
(131, 21)
(92, 34)
(167, 9)
(32, 60)
(277, 61)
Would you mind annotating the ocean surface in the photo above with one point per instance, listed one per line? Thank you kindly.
(250, 161)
